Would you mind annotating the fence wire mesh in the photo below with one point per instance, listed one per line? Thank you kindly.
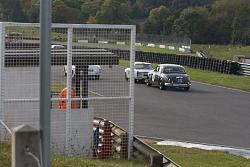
(91, 102)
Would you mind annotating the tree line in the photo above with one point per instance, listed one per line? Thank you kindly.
(206, 21)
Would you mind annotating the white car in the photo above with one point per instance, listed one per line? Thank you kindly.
(94, 71)
(58, 47)
(141, 70)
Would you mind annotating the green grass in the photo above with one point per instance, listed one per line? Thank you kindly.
(188, 157)
(225, 52)
(160, 50)
(215, 78)
(185, 157)
(5, 155)
(64, 161)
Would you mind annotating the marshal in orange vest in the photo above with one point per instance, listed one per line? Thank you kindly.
(63, 94)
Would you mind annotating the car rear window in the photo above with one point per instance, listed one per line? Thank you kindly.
(169, 70)
(143, 66)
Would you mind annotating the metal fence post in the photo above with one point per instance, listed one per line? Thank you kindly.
(131, 93)
(45, 68)
(69, 76)
(2, 50)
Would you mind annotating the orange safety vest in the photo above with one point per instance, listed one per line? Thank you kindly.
(62, 104)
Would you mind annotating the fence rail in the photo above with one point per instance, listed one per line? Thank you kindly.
(157, 159)
(244, 69)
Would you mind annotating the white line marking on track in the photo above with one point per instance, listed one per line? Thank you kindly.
(241, 152)
(244, 152)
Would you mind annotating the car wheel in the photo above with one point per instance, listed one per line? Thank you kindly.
(148, 83)
(97, 77)
(161, 85)
(186, 88)
(126, 78)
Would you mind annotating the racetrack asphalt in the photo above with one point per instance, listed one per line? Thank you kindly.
(205, 114)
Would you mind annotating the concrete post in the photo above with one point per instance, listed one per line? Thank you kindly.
(25, 147)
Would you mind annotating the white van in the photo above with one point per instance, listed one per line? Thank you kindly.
(94, 71)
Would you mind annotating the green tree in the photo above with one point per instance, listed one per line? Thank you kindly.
(30, 9)
(183, 4)
(138, 9)
(192, 23)
(1, 12)
(241, 24)
(90, 7)
(11, 10)
(91, 20)
(159, 21)
(64, 14)
(229, 21)
(220, 21)
(114, 12)
(74, 3)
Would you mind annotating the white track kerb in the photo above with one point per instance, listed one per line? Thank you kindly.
(86, 84)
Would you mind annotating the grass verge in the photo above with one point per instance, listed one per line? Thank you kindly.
(5, 155)
(214, 78)
(64, 161)
(183, 156)
(161, 50)
(201, 158)
(225, 52)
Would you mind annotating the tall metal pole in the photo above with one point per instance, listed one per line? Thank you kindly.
(69, 77)
(131, 93)
(45, 62)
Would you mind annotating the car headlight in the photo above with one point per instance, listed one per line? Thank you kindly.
(167, 79)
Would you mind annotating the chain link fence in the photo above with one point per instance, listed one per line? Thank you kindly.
(89, 95)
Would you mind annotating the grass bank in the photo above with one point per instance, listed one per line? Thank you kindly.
(215, 78)
(64, 161)
(184, 156)
(161, 50)
(188, 157)
(5, 155)
(225, 52)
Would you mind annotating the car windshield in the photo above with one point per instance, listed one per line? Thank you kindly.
(143, 66)
(169, 70)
